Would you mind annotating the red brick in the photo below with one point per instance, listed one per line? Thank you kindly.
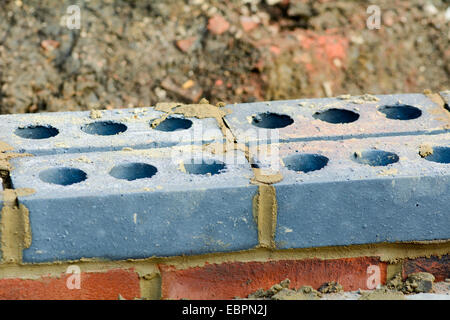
(438, 266)
(49, 44)
(94, 286)
(218, 25)
(231, 279)
(325, 47)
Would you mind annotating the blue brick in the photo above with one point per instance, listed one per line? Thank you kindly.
(171, 213)
(350, 192)
(336, 119)
(72, 132)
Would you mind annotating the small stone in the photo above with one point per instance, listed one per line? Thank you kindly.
(285, 283)
(420, 282)
(95, 114)
(276, 288)
(49, 45)
(330, 287)
(218, 25)
(186, 45)
(273, 2)
(248, 23)
(300, 9)
(431, 9)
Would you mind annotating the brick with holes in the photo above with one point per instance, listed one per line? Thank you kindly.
(361, 191)
(136, 204)
(106, 130)
(336, 118)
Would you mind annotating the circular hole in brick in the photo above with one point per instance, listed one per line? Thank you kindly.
(375, 158)
(271, 120)
(440, 154)
(337, 116)
(401, 112)
(37, 132)
(305, 162)
(63, 176)
(104, 128)
(203, 167)
(174, 124)
(133, 171)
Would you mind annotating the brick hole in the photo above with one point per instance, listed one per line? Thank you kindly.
(63, 176)
(375, 158)
(271, 120)
(37, 132)
(174, 124)
(337, 116)
(305, 162)
(133, 171)
(401, 112)
(440, 154)
(104, 128)
(209, 168)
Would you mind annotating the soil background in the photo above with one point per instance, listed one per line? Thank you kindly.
(137, 53)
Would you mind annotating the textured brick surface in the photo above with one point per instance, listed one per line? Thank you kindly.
(87, 204)
(93, 286)
(228, 280)
(371, 122)
(347, 202)
(70, 138)
(170, 213)
(438, 266)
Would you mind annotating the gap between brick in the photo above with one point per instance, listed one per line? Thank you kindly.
(264, 202)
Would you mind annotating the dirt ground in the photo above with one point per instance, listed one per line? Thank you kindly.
(136, 53)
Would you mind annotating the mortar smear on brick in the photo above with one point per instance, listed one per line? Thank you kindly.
(440, 111)
(15, 232)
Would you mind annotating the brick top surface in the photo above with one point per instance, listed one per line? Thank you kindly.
(335, 118)
(70, 132)
(94, 172)
(395, 156)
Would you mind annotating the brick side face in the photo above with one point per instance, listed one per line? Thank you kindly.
(93, 286)
(228, 280)
(438, 266)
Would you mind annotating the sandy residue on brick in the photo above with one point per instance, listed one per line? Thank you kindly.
(95, 114)
(14, 225)
(265, 214)
(440, 113)
(425, 150)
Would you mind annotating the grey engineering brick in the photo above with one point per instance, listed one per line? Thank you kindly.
(335, 118)
(363, 191)
(88, 205)
(72, 132)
